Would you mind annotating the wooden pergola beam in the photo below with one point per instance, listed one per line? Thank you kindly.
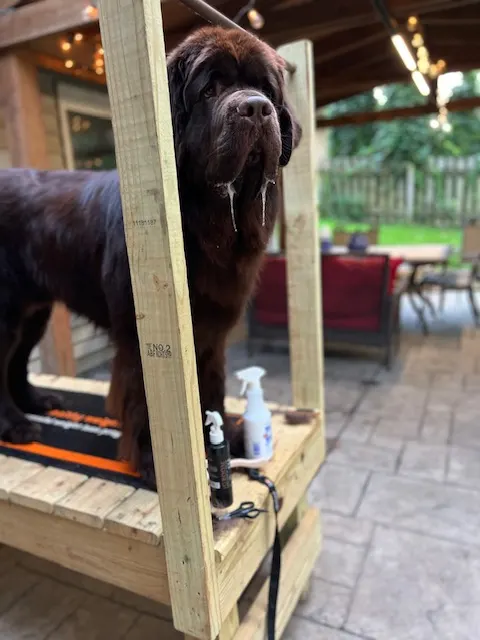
(462, 104)
(43, 18)
(348, 48)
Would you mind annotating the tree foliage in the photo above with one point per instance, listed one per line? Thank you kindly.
(409, 139)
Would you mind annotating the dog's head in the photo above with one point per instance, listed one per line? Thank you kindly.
(229, 106)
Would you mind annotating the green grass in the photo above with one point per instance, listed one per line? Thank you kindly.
(408, 234)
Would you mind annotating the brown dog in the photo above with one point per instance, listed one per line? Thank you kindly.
(62, 236)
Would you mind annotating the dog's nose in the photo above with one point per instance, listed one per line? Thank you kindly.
(255, 108)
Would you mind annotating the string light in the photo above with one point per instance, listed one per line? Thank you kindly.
(404, 52)
(417, 40)
(433, 71)
(91, 12)
(444, 93)
(412, 23)
(424, 64)
(421, 83)
(97, 63)
(255, 18)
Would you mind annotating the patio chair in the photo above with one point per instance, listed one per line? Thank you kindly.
(459, 279)
(341, 238)
(359, 298)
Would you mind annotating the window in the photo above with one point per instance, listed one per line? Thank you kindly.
(86, 128)
(91, 141)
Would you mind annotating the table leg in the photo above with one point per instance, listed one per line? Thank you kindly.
(412, 289)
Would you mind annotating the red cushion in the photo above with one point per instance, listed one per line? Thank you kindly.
(352, 291)
(394, 264)
(271, 305)
(351, 287)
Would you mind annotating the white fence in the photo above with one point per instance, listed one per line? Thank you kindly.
(446, 191)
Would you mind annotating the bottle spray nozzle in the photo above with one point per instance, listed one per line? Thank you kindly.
(215, 422)
(250, 378)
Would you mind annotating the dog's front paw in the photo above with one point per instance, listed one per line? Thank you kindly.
(39, 402)
(18, 430)
(147, 468)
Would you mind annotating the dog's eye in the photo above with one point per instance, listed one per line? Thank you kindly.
(209, 91)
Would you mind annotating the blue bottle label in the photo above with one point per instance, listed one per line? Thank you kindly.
(268, 436)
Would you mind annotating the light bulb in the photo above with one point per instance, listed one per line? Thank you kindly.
(421, 83)
(99, 71)
(434, 123)
(404, 52)
(412, 23)
(447, 127)
(69, 64)
(91, 12)
(441, 65)
(256, 19)
(422, 52)
(65, 45)
(417, 40)
(78, 37)
(423, 65)
(433, 71)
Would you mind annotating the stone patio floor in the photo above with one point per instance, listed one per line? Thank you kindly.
(400, 496)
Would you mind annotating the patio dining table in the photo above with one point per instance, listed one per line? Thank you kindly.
(415, 256)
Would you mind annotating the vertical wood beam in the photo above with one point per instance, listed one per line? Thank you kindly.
(27, 143)
(303, 251)
(229, 627)
(132, 33)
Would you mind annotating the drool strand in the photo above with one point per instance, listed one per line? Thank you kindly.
(264, 197)
(231, 195)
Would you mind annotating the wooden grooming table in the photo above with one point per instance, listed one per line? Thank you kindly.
(113, 532)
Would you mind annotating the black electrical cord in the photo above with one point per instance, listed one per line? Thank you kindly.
(389, 23)
(244, 10)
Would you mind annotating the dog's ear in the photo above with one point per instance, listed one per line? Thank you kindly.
(176, 85)
(177, 70)
(291, 132)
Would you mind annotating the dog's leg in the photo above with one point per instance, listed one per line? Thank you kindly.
(127, 402)
(211, 385)
(26, 396)
(14, 426)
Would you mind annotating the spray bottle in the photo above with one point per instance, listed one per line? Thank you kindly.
(257, 417)
(219, 462)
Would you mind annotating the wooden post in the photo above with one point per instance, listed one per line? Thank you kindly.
(27, 143)
(303, 250)
(132, 33)
(410, 190)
